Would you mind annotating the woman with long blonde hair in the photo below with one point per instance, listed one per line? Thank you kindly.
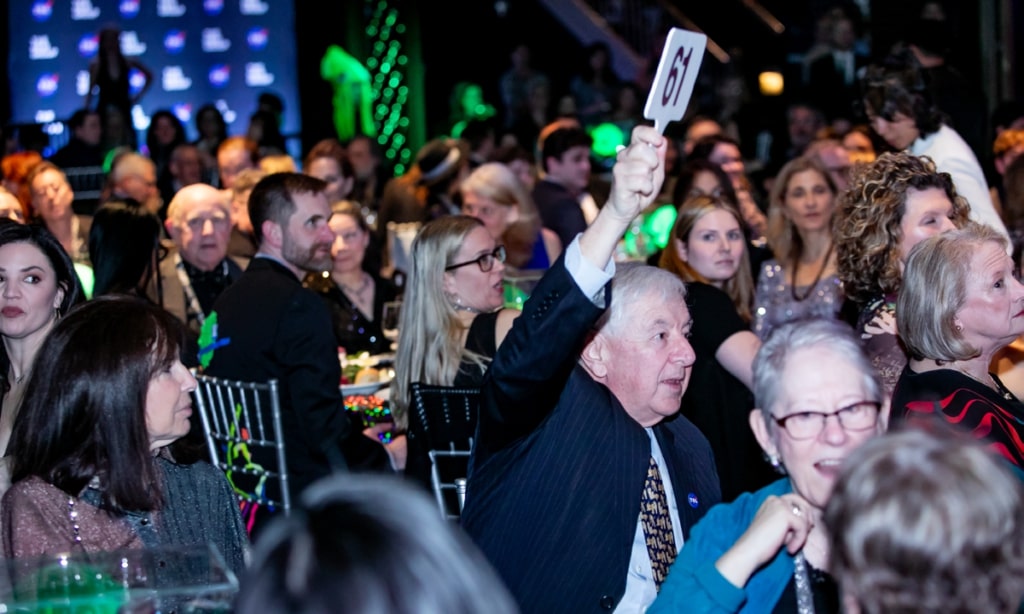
(451, 322)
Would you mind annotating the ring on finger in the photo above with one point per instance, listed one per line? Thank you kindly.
(797, 511)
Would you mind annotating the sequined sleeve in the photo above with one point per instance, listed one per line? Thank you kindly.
(877, 328)
(765, 279)
(775, 303)
(37, 520)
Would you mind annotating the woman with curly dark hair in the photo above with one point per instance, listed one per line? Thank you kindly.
(890, 206)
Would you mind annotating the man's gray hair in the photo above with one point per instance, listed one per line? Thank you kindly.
(634, 281)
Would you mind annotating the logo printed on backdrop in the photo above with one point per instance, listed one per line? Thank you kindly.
(88, 45)
(46, 85)
(256, 75)
(220, 74)
(52, 34)
(83, 10)
(42, 10)
(676, 76)
(173, 79)
(257, 38)
(128, 8)
(136, 80)
(174, 42)
(130, 43)
(225, 110)
(214, 41)
(169, 8)
(253, 7)
(40, 48)
(82, 83)
(45, 116)
(183, 111)
(213, 7)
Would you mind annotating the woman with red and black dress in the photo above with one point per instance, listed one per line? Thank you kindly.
(960, 303)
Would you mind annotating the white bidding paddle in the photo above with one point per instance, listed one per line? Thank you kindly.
(677, 73)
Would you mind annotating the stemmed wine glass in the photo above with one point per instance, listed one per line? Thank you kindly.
(389, 320)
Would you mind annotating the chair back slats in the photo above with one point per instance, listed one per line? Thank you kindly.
(442, 421)
(242, 423)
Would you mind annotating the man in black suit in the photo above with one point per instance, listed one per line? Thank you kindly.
(578, 409)
(833, 79)
(270, 326)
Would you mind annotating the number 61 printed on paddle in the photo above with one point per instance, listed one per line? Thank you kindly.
(677, 73)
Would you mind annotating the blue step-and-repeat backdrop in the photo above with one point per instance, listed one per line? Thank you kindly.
(224, 52)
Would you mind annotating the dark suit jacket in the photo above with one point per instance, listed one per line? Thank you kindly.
(559, 210)
(558, 467)
(173, 294)
(278, 329)
(828, 90)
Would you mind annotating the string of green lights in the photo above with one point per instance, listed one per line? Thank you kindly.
(391, 44)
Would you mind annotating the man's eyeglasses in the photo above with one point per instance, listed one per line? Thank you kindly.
(809, 424)
(485, 262)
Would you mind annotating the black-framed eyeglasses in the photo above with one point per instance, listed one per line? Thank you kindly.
(859, 416)
(485, 262)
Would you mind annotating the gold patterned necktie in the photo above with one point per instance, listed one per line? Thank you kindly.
(657, 524)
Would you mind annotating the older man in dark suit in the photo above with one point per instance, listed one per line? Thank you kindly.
(584, 479)
(198, 269)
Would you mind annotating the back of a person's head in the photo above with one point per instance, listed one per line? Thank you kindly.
(77, 119)
(333, 149)
(129, 164)
(441, 160)
(932, 37)
(898, 85)
(477, 131)
(1013, 181)
(927, 521)
(705, 146)
(122, 239)
(243, 143)
(372, 545)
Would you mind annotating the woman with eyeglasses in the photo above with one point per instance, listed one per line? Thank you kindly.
(452, 321)
(819, 399)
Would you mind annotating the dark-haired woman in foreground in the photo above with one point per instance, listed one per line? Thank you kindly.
(91, 469)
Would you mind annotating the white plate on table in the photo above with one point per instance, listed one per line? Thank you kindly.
(386, 375)
(362, 389)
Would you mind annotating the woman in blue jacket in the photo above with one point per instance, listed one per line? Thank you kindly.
(767, 551)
